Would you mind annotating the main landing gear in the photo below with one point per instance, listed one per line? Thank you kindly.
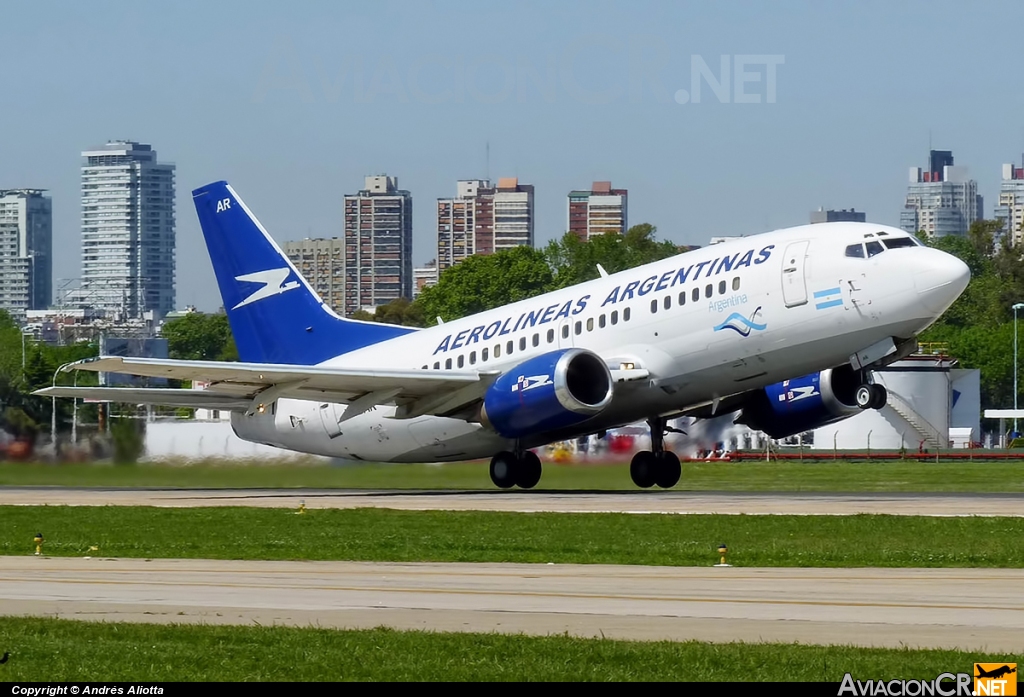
(871, 396)
(520, 469)
(656, 466)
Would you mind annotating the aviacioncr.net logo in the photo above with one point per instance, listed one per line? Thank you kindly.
(945, 685)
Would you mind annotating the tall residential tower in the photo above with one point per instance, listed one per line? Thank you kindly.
(1011, 203)
(128, 230)
(598, 211)
(26, 251)
(941, 201)
(378, 245)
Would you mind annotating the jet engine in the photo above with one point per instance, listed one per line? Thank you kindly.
(802, 404)
(547, 392)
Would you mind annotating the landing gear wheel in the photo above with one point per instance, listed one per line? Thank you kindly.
(668, 471)
(880, 397)
(504, 468)
(643, 469)
(529, 471)
(864, 396)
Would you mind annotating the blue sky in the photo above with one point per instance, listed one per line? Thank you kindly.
(294, 104)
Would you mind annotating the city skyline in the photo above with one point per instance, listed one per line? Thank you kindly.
(569, 94)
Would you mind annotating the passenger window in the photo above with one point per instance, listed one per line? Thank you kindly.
(483, 355)
(708, 290)
(668, 301)
(615, 316)
(601, 321)
(875, 248)
(590, 324)
(472, 357)
(736, 283)
(654, 306)
(508, 348)
(536, 339)
(425, 367)
(682, 297)
(579, 328)
(448, 364)
(856, 251)
(497, 350)
(625, 315)
(462, 361)
(565, 331)
(551, 335)
(721, 287)
(522, 344)
(695, 294)
(437, 366)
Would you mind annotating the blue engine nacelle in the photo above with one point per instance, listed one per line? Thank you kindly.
(547, 392)
(802, 404)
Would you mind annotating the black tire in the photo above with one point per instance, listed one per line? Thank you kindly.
(864, 396)
(643, 469)
(504, 468)
(529, 471)
(879, 396)
(669, 470)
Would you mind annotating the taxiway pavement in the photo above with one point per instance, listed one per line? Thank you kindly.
(971, 609)
(652, 501)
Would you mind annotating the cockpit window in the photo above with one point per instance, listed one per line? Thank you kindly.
(875, 248)
(896, 242)
(855, 250)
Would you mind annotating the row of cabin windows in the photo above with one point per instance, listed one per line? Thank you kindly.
(709, 290)
(486, 354)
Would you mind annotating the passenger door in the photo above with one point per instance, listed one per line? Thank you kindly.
(794, 281)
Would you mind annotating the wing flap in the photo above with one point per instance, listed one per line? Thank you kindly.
(200, 399)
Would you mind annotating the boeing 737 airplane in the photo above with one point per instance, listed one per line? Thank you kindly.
(783, 328)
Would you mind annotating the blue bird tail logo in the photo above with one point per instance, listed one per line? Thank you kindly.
(741, 325)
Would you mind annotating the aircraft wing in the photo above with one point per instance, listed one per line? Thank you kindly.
(240, 385)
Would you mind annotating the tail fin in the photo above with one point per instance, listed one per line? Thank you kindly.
(275, 316)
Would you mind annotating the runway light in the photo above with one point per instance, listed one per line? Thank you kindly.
(38, 539)
(722, 549)
(302, 508)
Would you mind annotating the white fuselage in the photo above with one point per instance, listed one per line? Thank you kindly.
(706, 324)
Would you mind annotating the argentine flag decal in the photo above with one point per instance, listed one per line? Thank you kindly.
(824, 299)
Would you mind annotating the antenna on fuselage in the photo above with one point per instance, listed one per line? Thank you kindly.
(600, 270)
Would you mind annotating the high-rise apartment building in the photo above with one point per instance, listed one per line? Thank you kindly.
(513, 217)
(322, 263)
(1011, 203)
(378, 245)
(843, 216)
(482, 219)
(598, 211)
(941, 201)
(462, 220)
(128, 230)
(26, 251)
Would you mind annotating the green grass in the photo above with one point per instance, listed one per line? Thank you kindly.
(49, 650)
(472, 536)
(903, 475)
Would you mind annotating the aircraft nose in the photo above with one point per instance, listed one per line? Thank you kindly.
(939, 279)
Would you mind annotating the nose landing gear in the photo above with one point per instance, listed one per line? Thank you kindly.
(656, 466)
(871, 396)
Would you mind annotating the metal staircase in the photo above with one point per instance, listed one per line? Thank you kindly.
(931, 436)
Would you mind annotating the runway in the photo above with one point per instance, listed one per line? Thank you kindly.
(650, 501)
(971, 609)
